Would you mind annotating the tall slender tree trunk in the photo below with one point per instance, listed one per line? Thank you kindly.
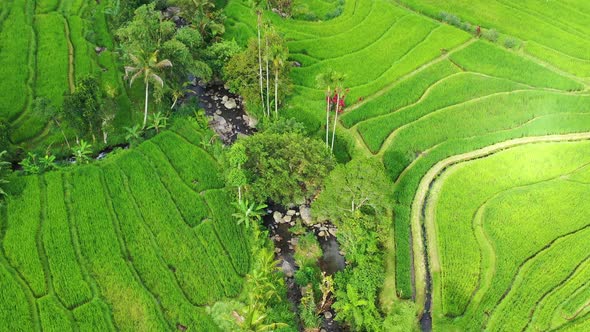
(335, 120)
(267, 80)
(260, 65)
(328, 99)
(277, 93)
(63, 134)
(145, 111)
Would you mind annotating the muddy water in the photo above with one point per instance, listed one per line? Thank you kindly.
(331, 261)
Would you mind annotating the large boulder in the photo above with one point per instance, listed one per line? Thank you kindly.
(288, 269)
(230, 104)
(305, 213)
(278, 217)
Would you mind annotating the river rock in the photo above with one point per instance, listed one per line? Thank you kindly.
(230, 104)
(278, 217)
(295, 241)
(323, 228)
(224, 99)
(291, 212)
(328, 315)
(277, 250)
(218, 112)
(305, 213)
(296, 64)
(252, 122)
(287, 269)
(292, 223)
(287, 219)
(332, 231)
(322, 234)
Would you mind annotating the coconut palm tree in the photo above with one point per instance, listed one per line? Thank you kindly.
(338, 80)
(148, 67)
(4, 167)
(279, 57)
(267, 55)
(257, 7)
(179, 92)
(326, 80)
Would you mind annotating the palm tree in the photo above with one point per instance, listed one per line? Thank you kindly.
(256, 5)
(4, 166)
(148, 67)
(179, 92)
(338, 80)
(267, 60)
(326, 80)
(279, 56)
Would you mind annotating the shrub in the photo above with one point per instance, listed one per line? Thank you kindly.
(451, 19)
(510, 42)
(307, 251)
(288, 168)
(491, 35)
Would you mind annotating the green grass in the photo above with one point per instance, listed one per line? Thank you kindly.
(485, 58)
(37, 64)
(20, 234)
(506, 208)
(407, 182)
(556, 25)
(68, 280)
(458, 89)
(490, 114)
(54, 317)
(52, 58)
(93, 316)
(15, 311)
(402, 94)
(14, 59)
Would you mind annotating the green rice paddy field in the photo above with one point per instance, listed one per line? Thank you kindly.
(141, 241)
(502, 240)
(487, 147)
(45, 46)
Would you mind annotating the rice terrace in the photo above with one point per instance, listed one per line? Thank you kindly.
(304, 165)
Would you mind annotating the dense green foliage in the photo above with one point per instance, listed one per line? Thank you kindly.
(285, 168)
